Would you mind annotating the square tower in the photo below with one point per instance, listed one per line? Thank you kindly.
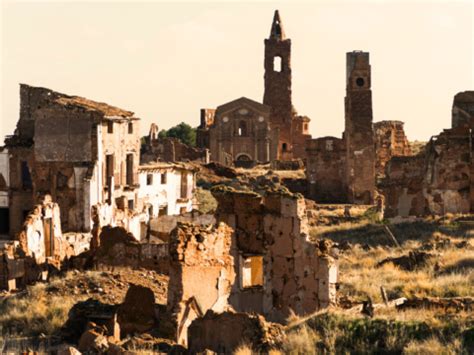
(359, 136)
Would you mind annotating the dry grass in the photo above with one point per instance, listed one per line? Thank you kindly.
(34, 313)
(389, 331)
(450, 273)
(360, 277)
(432, 346)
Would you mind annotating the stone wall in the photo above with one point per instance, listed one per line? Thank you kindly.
(326, 170)
(390, 141)
(39, 243)
(201, 274)
(437, 181)
(162, 226)
(119, 248)
(273, 230)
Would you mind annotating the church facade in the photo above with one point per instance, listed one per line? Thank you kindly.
(244, 132)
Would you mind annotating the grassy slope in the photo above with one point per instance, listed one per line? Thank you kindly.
(418, 331)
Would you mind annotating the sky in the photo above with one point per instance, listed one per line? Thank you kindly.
(167, 60)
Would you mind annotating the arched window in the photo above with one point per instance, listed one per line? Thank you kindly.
(277, 64)
(242, 128)
(284, 147)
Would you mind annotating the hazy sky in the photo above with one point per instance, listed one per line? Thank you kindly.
(165, 61)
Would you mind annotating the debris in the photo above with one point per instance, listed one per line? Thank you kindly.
(137, 313)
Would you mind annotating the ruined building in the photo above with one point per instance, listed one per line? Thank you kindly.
(80, 151)
(277, 269)
(441, 178)
(168, 149)
(343, 170)
(246, 132)
(255, 259)
(242, 134)
(390, 141)
(201, 274)
(41, 242)
(166, 188)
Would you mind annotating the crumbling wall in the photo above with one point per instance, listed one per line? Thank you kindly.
(435, 182)
(326, 170)
(202, 132)
(299, 135)
(390, 141)
(162, 226)
(117, 247)
(39, 244)
(296, 276)
(41, 236)
(133, 221)
(201, 273)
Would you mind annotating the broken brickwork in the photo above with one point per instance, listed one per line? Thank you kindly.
(135, 222)
(169, 149)
(437, 181)
(390, 141)
(118, 248)
(40, 243)
(278, 270)
(41, 234)
(326, 170)
(201, 274)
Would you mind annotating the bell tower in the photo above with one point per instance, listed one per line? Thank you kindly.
(359, 135)
(277, 93)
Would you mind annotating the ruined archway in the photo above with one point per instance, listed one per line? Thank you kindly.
(244, 160)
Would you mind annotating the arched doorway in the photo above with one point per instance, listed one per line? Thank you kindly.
(244, 160)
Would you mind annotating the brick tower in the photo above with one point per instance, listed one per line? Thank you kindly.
(360, 149)
(277, 93)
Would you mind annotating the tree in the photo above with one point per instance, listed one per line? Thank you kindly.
(184, 132)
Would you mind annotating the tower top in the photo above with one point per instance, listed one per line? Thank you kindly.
(277, 31)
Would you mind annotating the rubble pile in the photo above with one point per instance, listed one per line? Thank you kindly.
(225, 332)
